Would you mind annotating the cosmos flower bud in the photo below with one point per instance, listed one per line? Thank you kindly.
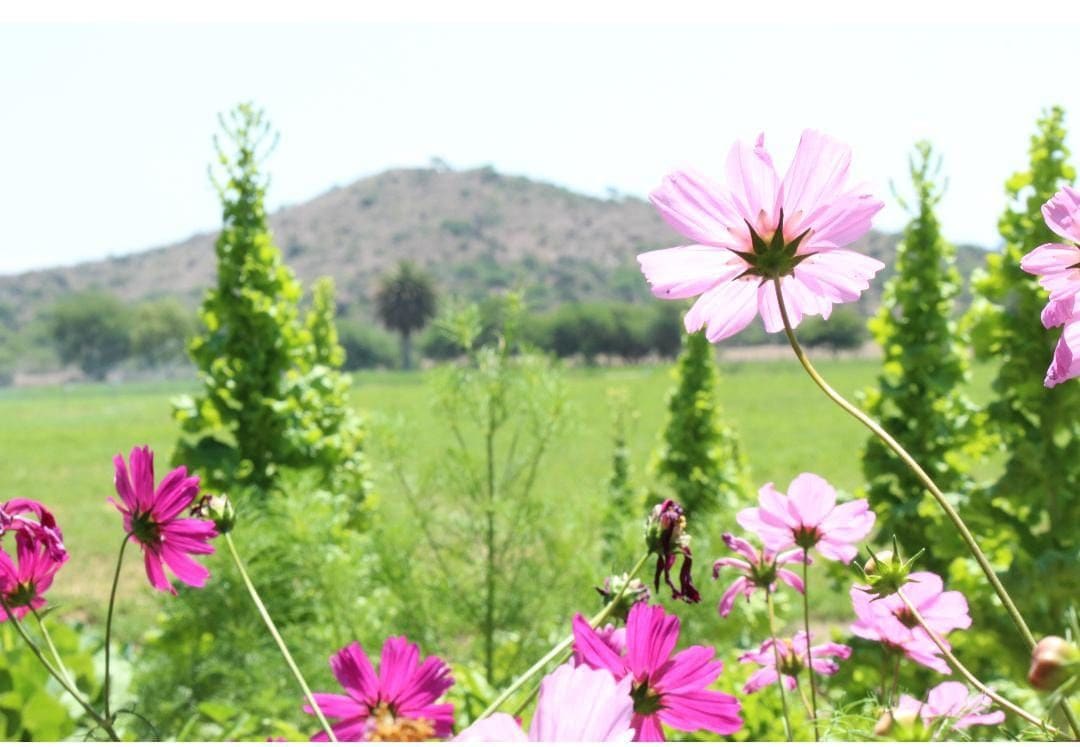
(218, 509)
(666, 537)
(886, 571)
(1053, 661)
(635, 591)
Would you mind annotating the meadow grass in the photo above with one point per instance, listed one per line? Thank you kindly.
(57, 444)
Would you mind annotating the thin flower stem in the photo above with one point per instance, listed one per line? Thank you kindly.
(776, 655)
(278, 639)
(108, 623)
(895, 679)
(971, 678)
(928, 483)
(809, 657)
(921, 474)
(563, 646)
(97, 717)
(805, 702)
(52, 647)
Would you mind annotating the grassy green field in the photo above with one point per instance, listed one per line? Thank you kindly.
(57, 444)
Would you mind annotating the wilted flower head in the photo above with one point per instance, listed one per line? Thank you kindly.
(793, 658)
(152, 519)
(954, 704)
(24, 580)
(761, 228)
(666, 536)
(23, 514)
(576, 704)
(631, 591)
(890, 621)
(1053, 661)
(664, 688)
(395, 705)
(1058, 268)
(808, 517)
(760, 569)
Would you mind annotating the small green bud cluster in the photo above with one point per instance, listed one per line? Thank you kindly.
(886, 572)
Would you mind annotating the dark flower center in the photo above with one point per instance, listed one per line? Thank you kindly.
(906, 616)
(646, 700)
(22, 595)
(145, 529)
(807, 537)
(387, 726)
(773, 257)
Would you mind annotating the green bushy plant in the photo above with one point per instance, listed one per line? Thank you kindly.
(699, 456)
(273, 395)
(918, 397)
(1026, 514)
(91, 330)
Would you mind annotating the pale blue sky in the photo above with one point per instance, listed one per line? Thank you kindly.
(105, 129)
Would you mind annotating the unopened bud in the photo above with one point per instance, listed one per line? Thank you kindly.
(218, 509)
(899, 724)
(886, 572)
(632, 592)
(1053, 661)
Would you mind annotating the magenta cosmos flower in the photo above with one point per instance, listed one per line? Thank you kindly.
(395, 704)
(888, 620)
(1058, 268)
(152, 518)
(793, 658)
(760, 228)
(952, 701)
(576, 704)
(760, 569)
(24, 580)
(664, 688)
(808, 517)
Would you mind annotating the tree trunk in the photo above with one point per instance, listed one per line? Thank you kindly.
(406, 351)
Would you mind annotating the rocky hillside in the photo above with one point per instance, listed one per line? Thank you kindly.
(476, 231)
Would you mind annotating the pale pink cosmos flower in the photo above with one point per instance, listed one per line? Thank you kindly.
(395, 704)
(1058, 268)
(24, 580)
(152, 518)
(793, 658)
(760, 228)
(952, 701)
(665, 689)
(889, 620)
(808, 517)
(760, 569)
(576, 704)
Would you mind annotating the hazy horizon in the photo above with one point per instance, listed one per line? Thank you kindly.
(107, 150)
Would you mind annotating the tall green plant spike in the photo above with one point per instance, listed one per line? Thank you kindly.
(918, 397)
(1027, 513)
(699, 455)
(273, 396)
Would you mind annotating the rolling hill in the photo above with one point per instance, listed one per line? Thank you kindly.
(476, 231)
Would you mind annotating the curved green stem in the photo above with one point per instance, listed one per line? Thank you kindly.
(809, 656)
(563, 646)
(108, 623)
(52, 647)
(776, 656)
(971, 678)
(278, 639)
(914, 466)
(97, 717)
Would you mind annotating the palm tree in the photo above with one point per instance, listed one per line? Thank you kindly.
(405, 303)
